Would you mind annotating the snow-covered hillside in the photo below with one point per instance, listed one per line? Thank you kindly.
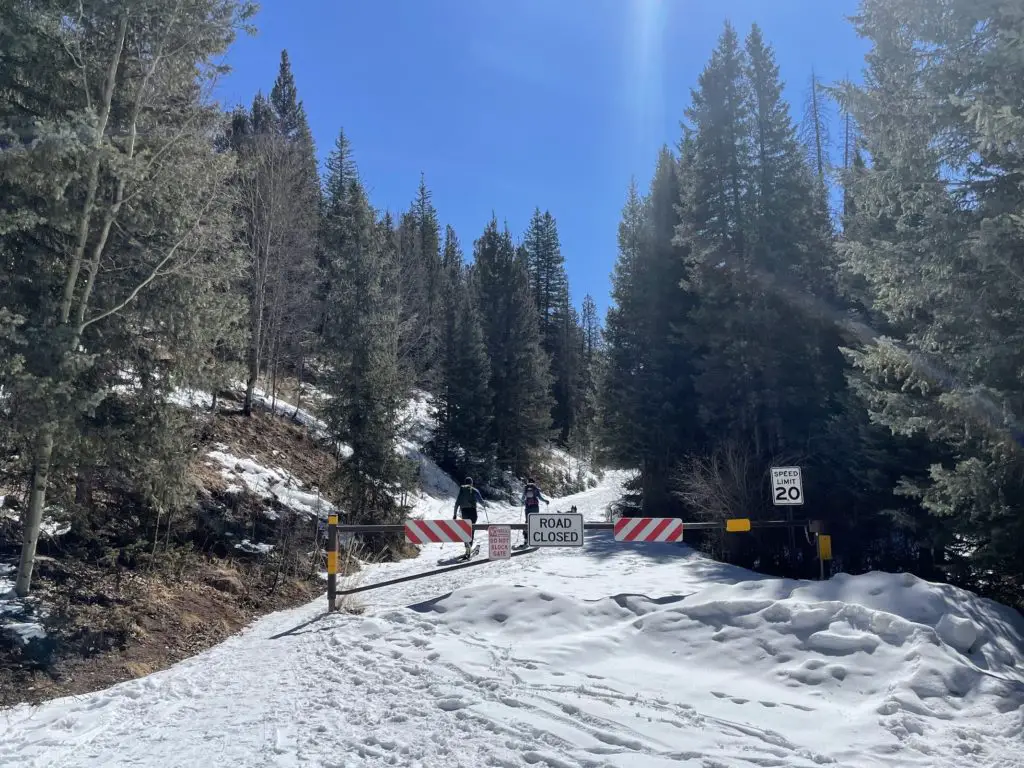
(613, 655)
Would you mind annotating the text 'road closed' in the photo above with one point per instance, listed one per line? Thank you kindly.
(557, 530)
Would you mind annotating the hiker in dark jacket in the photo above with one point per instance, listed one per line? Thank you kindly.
(466, 501)
(532, 497)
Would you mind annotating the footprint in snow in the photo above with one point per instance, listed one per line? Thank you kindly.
(451, 704)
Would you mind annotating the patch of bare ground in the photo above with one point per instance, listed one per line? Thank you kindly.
(143, 608)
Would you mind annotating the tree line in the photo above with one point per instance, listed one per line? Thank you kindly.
(770, 306)
(151, 242)
(858, 318)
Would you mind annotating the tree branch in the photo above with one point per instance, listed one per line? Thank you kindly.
(94, 170)
(155, 273)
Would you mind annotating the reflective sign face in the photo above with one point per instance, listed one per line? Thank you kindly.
(499, 542)
(787, 486)
(554, 530)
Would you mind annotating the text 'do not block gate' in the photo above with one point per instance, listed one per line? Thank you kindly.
(438, 531)
(648, 529)
(499, 542)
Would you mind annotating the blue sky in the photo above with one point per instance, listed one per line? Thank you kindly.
(505, 106)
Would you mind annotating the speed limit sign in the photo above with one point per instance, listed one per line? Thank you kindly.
(787, 486)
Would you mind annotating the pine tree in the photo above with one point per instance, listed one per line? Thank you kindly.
(930, 247)
(463, 400)
(284, 98)
(649, 415)
(550, 287)
(422, 286)
(625, 333)
(361, 343)
(292, 319)
(717, 153)
(279, 190)
(519, 367)
(592, 368)
(469, 383)
(815, 132)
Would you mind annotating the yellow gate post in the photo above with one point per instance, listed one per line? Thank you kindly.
(824, 551)
(332, 562)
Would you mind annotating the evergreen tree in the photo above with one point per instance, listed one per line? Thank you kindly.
(463, 401)
(930, 247)
(97, 241)
(284, 98)
(361, 343)
(625, 333)
(470, 384)
(293, 319)
(649, 418)
(550, 288)
(422, 286)
(520, 380)
(279, 190)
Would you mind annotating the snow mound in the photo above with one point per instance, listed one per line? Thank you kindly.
(888, 649)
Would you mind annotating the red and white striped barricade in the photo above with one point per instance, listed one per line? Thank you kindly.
(648, 529)
(438, 531)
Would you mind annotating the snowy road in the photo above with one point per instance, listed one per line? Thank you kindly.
(611, 655)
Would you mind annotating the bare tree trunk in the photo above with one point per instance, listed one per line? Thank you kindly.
(273, 378)
(43, 451)
(254, 356)
(298, 394)
(34, 515)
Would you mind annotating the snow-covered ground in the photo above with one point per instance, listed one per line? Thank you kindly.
(269, 483)
(610, 655)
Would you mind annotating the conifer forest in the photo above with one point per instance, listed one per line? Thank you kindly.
(835, 284)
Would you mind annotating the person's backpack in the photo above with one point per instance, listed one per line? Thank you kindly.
(532, 499)
(467, 499)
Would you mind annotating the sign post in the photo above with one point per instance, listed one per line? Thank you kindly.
(332, 563)
(788, 491)
(554, 530)
(499, 542)
(824, 552)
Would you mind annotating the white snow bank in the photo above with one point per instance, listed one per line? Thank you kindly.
(191, 398)
(254, 548)
(437, 489)
(917, 659)
(283, 408)
(48, 527)
(270, 483)
(716, 668)
(571, 470)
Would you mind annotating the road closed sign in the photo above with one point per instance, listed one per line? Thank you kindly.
(787, 486)
(499, 542)
(554, 530)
